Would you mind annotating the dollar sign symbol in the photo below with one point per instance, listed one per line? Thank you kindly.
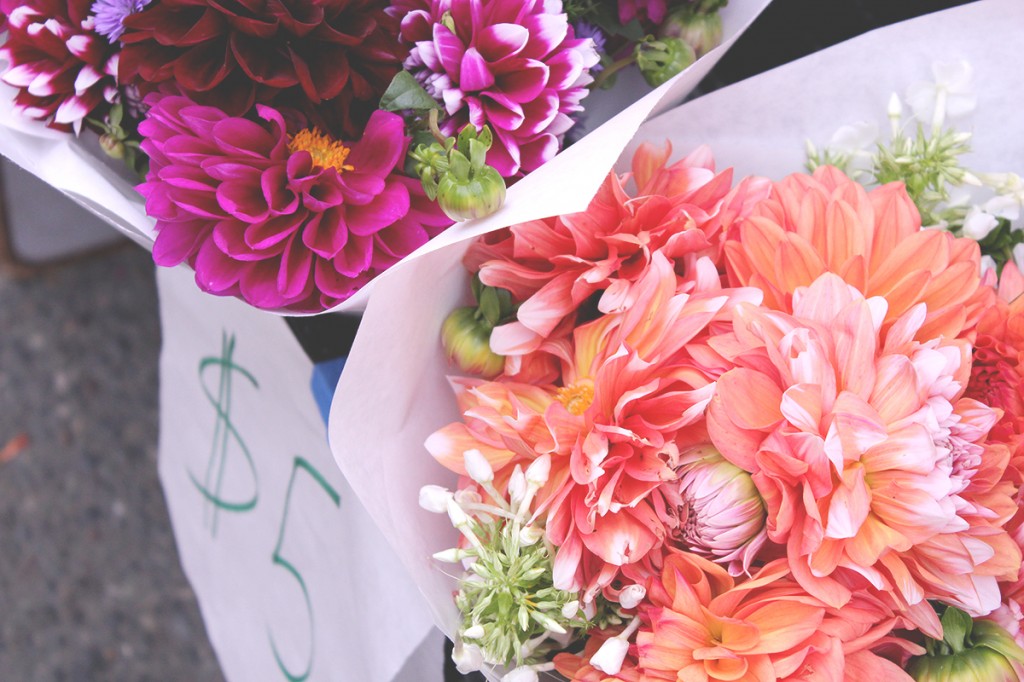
(224, 435)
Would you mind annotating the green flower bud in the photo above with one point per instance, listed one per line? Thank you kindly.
(111, 146)
(467, 341)
(970, 651)
(702, 32)
(660, 59)
(473, 197)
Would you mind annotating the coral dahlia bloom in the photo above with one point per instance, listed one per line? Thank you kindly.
(630, 385)
(700, 626)
(63, 69)
(514, 65)
(827, 222)
(870, 459)
(331, 57)
(298, 222)
(553, 266)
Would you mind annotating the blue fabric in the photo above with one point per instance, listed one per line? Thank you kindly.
(325, 380)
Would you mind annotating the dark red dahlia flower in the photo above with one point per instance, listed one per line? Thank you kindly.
(63, 69)
(232, 54)
(296, 222)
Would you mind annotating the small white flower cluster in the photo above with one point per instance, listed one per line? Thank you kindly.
(511, 610)
(948, 195)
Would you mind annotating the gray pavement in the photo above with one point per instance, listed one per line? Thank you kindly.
(90, 584)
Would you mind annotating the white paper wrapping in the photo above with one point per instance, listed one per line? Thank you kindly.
(74, 167)
(292, 576)
(393, 392)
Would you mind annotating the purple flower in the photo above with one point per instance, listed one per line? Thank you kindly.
(296, 222)
(515, 65)
(110, 16)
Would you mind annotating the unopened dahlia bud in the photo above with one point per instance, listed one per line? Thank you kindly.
(702, 32)
(716, 511)
(111, 146)
(660, 59)
(969, 651)
(473, 195)
(467, 341)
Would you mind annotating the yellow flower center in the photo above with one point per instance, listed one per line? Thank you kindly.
(576, 397)
(326, 153)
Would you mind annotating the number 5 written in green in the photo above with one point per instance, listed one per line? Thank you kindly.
(299, 464)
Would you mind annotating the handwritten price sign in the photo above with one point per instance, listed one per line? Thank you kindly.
(294, 581)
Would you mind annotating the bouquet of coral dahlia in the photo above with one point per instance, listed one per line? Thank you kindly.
(292, 151)
(715, 427)
(750, 430)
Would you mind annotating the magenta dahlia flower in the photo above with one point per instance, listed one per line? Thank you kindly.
(63, 69)
(331, 59)
(515, 65)
(297, 222)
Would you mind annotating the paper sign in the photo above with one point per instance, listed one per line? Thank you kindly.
(294, 580)
(759, 126)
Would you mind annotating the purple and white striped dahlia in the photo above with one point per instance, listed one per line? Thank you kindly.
(515, 65)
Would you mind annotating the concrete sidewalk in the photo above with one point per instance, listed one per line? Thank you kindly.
(90, 584)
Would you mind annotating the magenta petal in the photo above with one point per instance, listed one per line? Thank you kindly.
(361, 188)
(527, 80)
(501, 111)
(324, 193)
(335, 284)
(294, 277)
(565, 69)
(389, 206)
(229, 235)
(215, 271)
(539, 151)
(175, 242)
(401, 239)
(547, 31)
(326, 234)
(382, 147)
(281, 200)
(540, 112)
(501, 41)
(259, 285)
(239, 136)
(449, 50)
(356, 257)
(269, 233)
(243, 201)
(475, 73)
(504, 154)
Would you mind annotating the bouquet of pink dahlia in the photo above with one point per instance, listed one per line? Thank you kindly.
(294, 151)
(740, 431)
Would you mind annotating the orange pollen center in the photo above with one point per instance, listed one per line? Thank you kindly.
(326, 153)
(576, 397)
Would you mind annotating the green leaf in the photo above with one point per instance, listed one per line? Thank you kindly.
(485, 137)
(116, 115)
(956, 628)
(477, 288)
(406, 93)
(466, 135)
(490, 305)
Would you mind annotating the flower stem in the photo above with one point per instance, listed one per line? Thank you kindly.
(612, 69)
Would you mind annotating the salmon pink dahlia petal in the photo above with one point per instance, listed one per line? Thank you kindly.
(554, 266)
(515, 66)
(826, 222)
(869, 458)
(296, 222)
(63, 69)
(700, 624)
